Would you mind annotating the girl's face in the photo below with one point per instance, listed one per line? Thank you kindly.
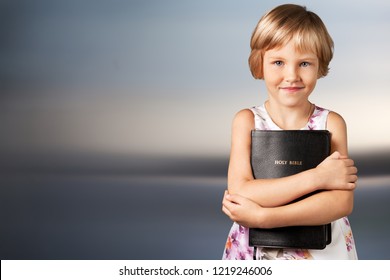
(290, 76)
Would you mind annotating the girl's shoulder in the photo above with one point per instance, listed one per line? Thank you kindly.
(250, 112)
(244, 113)
(244, 118)
(251, 118)
(337, 127)
(331, 116)
(324, 119)
(335, 122)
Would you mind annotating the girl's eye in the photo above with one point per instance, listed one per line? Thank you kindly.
(305, 64)
(278, 63)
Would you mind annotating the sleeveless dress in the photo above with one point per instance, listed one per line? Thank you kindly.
(342, 245)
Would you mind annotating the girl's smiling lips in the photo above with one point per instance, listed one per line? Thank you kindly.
(291, 88)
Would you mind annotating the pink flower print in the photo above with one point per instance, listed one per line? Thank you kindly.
(346, 221)
(317, 112)
(233, 239)
(228, 247)
(242, 256)
(349, 241)
(350, 246)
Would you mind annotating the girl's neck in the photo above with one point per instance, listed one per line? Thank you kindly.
(289, 118)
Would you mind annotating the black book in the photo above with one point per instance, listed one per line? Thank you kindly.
(280, 153)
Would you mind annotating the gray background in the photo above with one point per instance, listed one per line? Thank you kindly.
(115, 122)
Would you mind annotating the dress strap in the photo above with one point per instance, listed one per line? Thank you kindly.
(318, 119)
(260, 116)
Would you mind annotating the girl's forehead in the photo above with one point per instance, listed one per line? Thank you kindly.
(292, 49)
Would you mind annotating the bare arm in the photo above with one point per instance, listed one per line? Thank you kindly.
(280, 191)
(338, 174)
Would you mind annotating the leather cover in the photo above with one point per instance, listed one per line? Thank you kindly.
(280, 153)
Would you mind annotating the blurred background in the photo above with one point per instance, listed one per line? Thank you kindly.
(115, 122)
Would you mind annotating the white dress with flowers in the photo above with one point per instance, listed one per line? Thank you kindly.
(342, 246)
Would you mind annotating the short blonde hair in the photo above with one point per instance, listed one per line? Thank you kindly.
(290, 22)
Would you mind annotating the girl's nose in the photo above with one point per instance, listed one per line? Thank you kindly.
(291, 74)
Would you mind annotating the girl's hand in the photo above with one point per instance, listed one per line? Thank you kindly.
(336, 172)
(243, 211)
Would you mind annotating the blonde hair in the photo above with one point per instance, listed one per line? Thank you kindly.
(290, 22)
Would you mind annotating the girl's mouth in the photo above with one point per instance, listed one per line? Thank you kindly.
(291, 89)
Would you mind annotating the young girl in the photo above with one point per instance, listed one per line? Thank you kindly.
(290, 50)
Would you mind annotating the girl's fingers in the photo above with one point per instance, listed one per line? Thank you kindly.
(351, 186)
(235, 198)
(226, 211)
(353, 179)
(227, 203)
(335, 155)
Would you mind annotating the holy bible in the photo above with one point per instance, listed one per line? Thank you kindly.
(280, 153)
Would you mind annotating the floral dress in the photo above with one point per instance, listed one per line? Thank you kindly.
(342, 245)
